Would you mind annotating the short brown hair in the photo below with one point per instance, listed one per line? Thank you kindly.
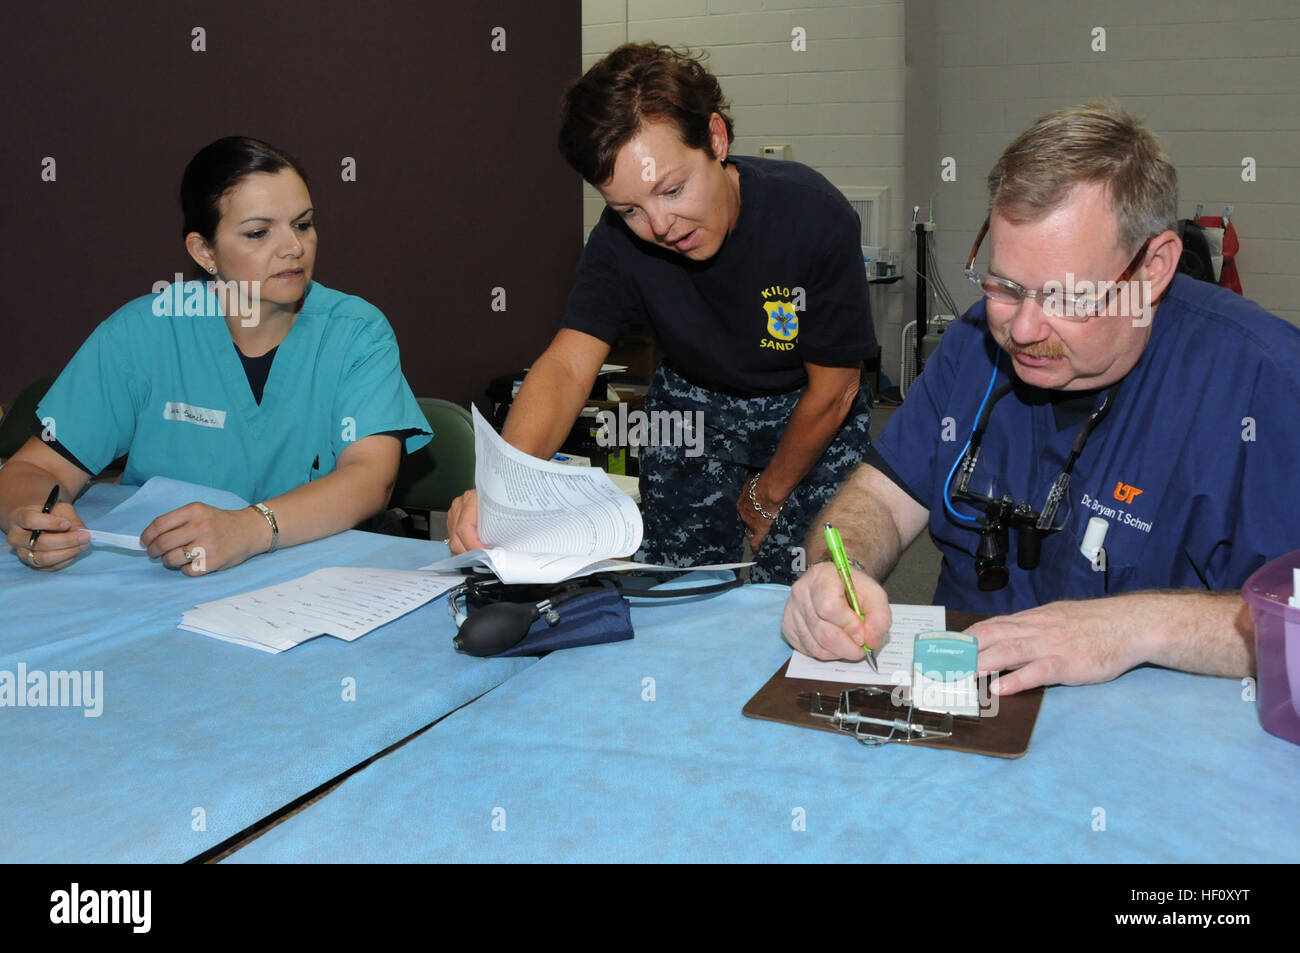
(636, 82)
(1099, 141)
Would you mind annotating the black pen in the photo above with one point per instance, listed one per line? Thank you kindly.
(49, 505)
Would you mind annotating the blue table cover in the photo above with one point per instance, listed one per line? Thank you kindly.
(569, 761)
(199, 738)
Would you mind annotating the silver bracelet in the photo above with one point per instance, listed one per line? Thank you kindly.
(270, 519)
(753, 499)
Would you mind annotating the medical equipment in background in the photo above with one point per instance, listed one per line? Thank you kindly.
(921, 336)
(936, 325)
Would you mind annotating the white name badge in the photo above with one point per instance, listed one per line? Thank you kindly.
(174, 410)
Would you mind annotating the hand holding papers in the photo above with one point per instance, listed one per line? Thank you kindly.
(546, 522)
(116, 540)
(121, 527)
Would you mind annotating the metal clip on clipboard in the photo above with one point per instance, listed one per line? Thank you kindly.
(845, 712)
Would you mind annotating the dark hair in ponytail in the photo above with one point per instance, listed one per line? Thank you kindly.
(216, 169)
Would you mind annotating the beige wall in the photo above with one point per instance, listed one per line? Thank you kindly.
(1218, 82)
(838, 104)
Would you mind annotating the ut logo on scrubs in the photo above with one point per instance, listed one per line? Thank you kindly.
(1125, 493)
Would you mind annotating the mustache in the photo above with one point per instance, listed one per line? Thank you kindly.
(1050, 349)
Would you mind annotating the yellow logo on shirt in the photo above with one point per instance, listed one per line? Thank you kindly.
(782, 305)
(782, 325)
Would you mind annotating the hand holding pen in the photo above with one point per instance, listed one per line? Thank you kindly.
(841, 559)
(833, 616)
(64, 535)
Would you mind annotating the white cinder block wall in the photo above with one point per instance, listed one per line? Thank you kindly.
(1217, 81)
(839, 103)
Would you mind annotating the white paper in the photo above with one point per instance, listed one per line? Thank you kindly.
(511, 567)
(545, 521)
(535, 506)
(894, 657)
(116, 540)
(345, 602)
(161, 495)
(548, 522)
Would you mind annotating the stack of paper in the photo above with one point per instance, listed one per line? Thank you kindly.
(343, 602)
(547, 522)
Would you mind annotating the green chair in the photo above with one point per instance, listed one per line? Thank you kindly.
(15, 428)
(429, 479)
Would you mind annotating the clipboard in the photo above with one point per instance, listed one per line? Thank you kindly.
(1003, 735)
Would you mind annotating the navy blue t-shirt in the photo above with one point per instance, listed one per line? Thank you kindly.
(787, 286)
(1193, 468)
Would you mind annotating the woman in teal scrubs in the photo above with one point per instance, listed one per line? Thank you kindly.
(258, 381)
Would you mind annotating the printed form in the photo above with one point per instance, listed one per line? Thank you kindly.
(894, 658)
(344, 602)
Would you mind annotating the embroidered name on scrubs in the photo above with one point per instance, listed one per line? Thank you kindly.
(781, 306)
(175, 410)
(1115, 513)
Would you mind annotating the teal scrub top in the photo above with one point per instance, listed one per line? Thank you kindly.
(162, 381)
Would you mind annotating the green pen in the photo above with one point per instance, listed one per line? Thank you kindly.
(836, 545)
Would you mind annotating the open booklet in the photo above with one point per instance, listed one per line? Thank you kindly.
(547, 522)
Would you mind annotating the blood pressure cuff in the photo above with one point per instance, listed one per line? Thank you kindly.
(598, 614)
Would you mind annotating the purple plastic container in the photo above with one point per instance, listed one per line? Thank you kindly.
(1277, 645)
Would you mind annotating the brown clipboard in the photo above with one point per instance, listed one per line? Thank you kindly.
(1004, 735)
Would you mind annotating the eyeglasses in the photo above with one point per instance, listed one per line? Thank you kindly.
(1057, 302)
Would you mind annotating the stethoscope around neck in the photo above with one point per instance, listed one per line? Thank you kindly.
(1002, 514)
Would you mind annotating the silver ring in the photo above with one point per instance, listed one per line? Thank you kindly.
(189, 556)
(31, 555)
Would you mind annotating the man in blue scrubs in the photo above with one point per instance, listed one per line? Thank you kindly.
(1092, 393)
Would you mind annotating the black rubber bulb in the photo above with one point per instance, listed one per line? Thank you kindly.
(495, 628)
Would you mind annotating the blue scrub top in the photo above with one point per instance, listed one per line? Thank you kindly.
(1193, 468)
(161, 379)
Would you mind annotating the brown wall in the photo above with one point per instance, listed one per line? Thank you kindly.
(459, 186)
